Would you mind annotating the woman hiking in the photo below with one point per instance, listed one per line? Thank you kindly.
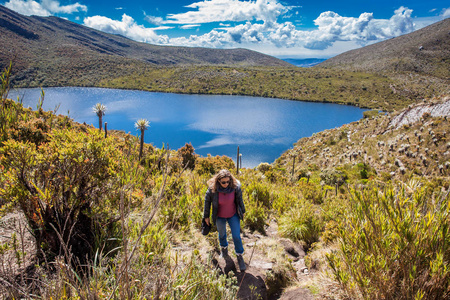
(225, 194)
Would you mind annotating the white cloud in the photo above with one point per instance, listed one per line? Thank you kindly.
(190, 26)
(212, 39)
(43, 8)
(445, 13)
(247, 32)
(266, 33)
(333, 27)
(218, 141)
(229, 10)
(400, 23)
(55, 7)
(154, 20)
(332, 24)
(127, 27)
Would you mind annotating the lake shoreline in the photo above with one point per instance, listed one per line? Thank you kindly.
(263, 128)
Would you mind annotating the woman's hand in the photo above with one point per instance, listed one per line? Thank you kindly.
(207, 221)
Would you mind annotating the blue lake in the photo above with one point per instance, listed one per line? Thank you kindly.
(263, 128)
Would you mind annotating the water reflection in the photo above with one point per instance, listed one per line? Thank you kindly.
(263, 128)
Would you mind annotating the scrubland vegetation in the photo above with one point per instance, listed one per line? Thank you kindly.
(368, 90)
(307, 84)
(368, 203)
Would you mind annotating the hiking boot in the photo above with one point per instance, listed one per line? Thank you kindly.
(241, 262)
(224, 252)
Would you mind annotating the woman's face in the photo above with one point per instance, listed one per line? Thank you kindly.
(225, 181)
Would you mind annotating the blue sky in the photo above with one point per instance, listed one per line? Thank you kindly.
(291, 28)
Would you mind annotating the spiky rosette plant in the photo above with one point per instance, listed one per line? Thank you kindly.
(142, 125)
(99, 110)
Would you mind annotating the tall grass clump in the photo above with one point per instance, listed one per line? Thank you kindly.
(301, 223)
(258, 202)
(394, 244)
(255, 217)
(260, 193)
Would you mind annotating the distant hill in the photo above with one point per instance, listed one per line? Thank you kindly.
(57, 45)
(304, 63)
(425, 51)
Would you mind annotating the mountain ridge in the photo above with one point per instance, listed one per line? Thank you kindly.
(425, 51)
(39, 38)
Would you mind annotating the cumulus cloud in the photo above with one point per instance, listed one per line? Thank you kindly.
(400, 23)
(127, 27)
(331, 28)
(212, 39)
(229, 10)
(260, 27)
(44, 7)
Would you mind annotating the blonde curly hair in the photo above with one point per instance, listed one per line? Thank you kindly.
(213, 183)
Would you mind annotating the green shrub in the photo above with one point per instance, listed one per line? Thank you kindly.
(255, 217)
(259, 193)
(311, 191)
(67, 188)
(34, 130)
(188, 156)
(394, 244)
(179, 212)
(331, 232)
(210, 165)
(264, 167)
(301, 224)
(371, 113)
(283, 200)
(363, 170)
(333, 177)
(276, 175)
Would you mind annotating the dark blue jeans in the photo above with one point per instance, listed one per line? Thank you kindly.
(235, 226)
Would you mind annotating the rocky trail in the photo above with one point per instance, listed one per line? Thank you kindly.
(253, 282)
